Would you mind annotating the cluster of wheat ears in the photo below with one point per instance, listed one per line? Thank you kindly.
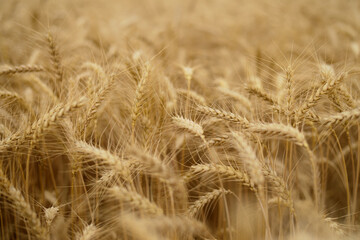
(179, 119)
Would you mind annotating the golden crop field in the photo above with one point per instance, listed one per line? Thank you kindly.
(179, 119)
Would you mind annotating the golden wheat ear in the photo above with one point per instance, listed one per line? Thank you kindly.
(23, 208)
(224, 172)
(205, 199)
(135, 200)
(228, 116)
(21, 69)
(56, 66)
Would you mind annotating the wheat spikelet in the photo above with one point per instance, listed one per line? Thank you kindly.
(334, 226)
(139, 95)
(341, 118)
(335, 99)
(23, 208)
(96, 68)
(203, 200)
(136, 228)
(326, 72)
(122, 168)
(228, 116)
(50, 214)
(95, 104)
(14, 97)
(21, 69)
(191, 94)
(36, 82)
(190, 126)
(277, 130)
(262, 95)
(4, 131)
(38, 127)
(169, 86)
(136, 200)
(341, 92)
(216, 141)
(224, 171)
(324, 89)
(147, 126)
(158, 168)
(283, 194)
(251, 161)
(88, 233)
(55, 58)
(181, 224)
(244, 101)
(289, 87)
(291, 134)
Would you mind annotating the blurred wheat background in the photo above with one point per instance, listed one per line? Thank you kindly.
(193, 119)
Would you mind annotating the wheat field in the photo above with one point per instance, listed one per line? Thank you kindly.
(169, 119)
